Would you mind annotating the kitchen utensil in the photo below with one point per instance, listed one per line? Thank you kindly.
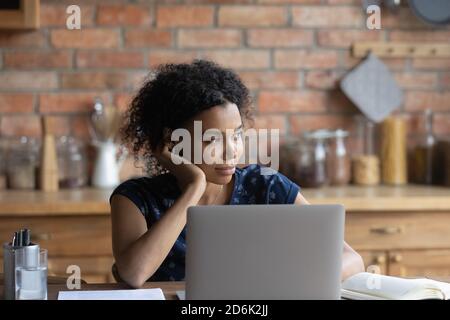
(434, 12)
(108, 164)
(105, 121)
(372, 88)
(49, 164)
(393, 151)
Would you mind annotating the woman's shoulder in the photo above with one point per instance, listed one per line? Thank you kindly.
(149, 193)
(277, 188)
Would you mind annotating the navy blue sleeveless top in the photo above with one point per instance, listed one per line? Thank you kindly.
(153, 196)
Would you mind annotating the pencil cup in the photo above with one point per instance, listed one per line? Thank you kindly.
(9, 261)
(30, 273)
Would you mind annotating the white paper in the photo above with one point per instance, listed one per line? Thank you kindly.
(136, 294)
(181, 295)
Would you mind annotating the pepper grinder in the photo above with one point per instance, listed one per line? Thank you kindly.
(49, 162)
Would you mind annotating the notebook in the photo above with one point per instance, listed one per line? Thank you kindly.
(371, 286)
(137, 294)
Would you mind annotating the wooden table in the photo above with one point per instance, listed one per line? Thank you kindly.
(169, 288)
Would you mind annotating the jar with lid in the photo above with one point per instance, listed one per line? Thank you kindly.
(365, 161)
(311, 165)
(72, 166)
(22, 163)
(339, 164)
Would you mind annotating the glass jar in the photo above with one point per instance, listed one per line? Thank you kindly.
(72, 165)
(424, 155)
(339, 164)
(22, 163)
(365, 162)
(311, 165)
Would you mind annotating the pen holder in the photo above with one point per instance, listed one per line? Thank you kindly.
(30, 273)
(9, 271)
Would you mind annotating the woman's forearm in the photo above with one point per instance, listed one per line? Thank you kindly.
(144, 256)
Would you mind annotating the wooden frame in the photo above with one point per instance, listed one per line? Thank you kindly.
(27, 17)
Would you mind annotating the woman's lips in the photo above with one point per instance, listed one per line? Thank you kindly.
(225, 171)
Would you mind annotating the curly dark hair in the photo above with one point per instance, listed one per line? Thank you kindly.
(173, 94)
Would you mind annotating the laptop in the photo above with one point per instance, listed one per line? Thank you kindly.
(273, 251)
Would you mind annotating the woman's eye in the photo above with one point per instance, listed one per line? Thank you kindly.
(237, 135)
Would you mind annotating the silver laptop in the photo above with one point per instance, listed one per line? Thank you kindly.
(264, 252)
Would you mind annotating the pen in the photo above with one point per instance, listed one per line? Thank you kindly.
(26, 237)
(20, 238)
(14, 240)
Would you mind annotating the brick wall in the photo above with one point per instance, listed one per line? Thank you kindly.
(291, 53)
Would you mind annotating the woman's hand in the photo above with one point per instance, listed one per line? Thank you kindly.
(186, 172)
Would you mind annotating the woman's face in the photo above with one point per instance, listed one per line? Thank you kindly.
(223, 126)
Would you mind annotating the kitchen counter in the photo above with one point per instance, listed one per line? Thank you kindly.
(95, 201)
(403, 231)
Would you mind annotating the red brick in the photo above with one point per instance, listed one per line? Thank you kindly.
(432, 64)
(421, 100)
(303, 122)
(22, 80)
(422, 36)
(270, 79)
(339, 2)
(445, 80)
(338, 102)
(240, 59)
(61, 125)
(123, 15)
(20, 125)
(291, 101)
(271, 122)
(279, 38)
(148, 38)
(54, 15)
(349, 62)
(157, 57)
(94, 80)
(212, 38)
(404, 18)
(81, 127)
(109, 59)
(123, 100)
(16, 102)
(184, 16)
(9, 39)
(289, 1)
(295, 59)
(321, 79)
(441, 124)
(63, 102)
(323, 16)
(416, 80)
(37, 59)
(85, 38)
(244, 16)
(136, 79)
(345, 38)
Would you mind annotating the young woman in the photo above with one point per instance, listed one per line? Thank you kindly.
(149, 214)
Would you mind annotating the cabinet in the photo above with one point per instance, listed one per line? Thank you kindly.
(401, 231)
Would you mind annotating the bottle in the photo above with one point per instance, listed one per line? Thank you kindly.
(424, 154)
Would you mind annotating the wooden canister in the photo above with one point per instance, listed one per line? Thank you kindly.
(393, 151)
